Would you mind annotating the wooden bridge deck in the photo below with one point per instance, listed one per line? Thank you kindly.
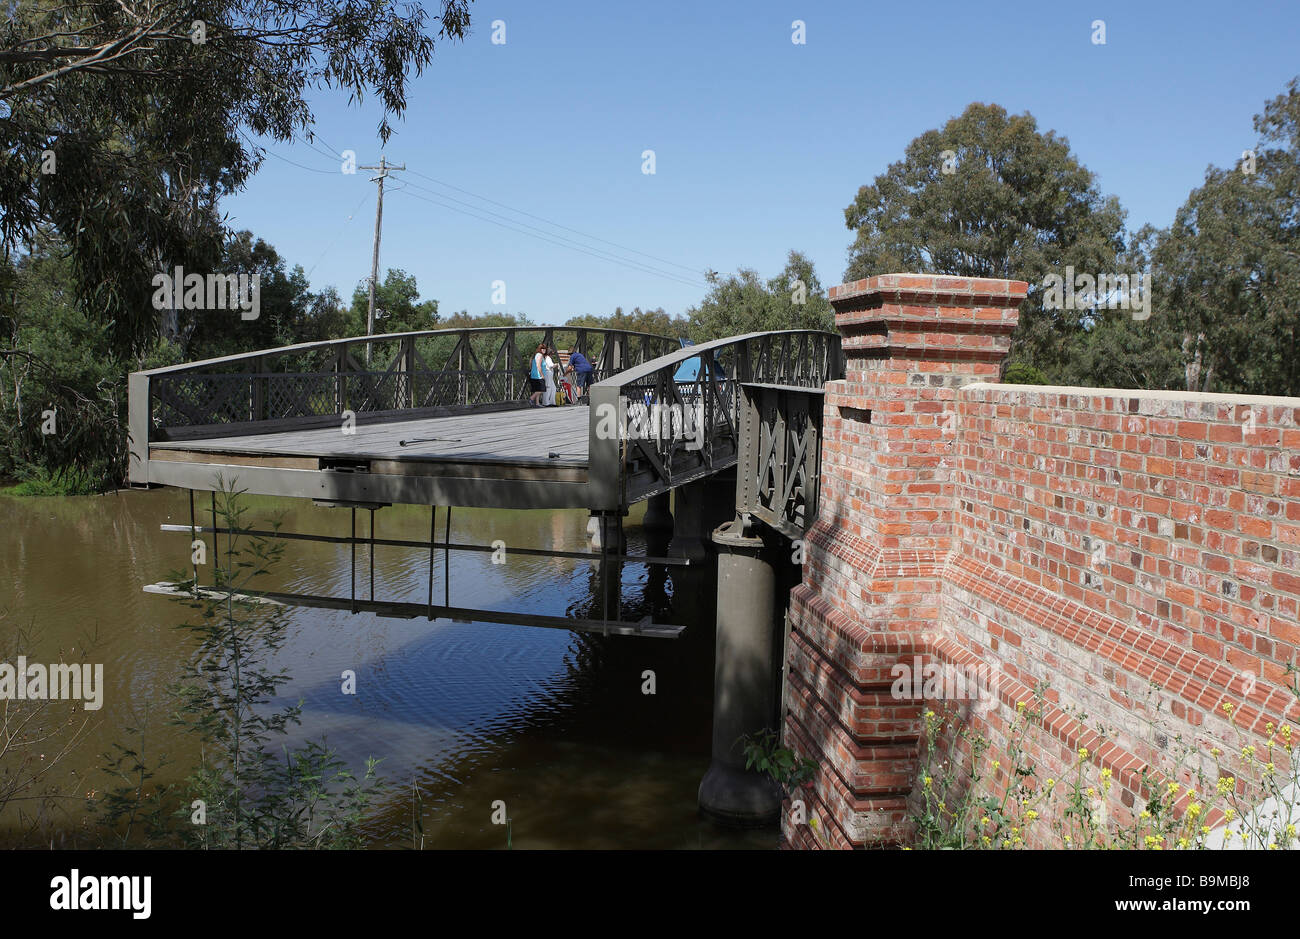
(522, 437)
(495, 458)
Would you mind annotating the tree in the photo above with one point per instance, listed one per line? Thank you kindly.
(1229, 266)
(463, 320)
(1114, 350)
(744, 303)
(397, 306)
(123, 124)
(61, 390)
(988, 195)
(655, 322)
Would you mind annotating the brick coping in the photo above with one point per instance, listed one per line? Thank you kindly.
(1199, 397)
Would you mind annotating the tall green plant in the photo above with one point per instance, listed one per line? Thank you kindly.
(247, 792)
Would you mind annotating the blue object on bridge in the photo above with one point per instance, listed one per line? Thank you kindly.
(689, 370)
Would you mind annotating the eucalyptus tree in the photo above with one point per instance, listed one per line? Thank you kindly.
(1229, 266)
(989, 195)
(743, 302)
(124, 123)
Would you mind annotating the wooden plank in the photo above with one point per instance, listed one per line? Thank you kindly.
(235, 459)
(532, 493)
(554, 470)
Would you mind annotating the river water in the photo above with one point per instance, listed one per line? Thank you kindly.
(552, 722)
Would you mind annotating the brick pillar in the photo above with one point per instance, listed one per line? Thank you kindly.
(871, 591)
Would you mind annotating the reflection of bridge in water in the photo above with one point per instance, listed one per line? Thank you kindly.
(441, 418)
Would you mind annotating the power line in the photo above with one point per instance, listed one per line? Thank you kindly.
(328, 156)
(555, 224)
(333, 154)
(342, 229)
(548, 236)
(285, 159)
(509, 223)
(634, 265)
(641, 265)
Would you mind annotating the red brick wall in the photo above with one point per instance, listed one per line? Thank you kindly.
(1137, 552)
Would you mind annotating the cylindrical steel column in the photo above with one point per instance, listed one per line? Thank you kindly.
(744, 689)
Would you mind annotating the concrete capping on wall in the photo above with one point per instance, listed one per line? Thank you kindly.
(1191, 397)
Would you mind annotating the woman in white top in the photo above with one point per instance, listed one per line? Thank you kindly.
(548, 399)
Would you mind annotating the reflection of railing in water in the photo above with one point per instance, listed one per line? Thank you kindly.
(610, 622)
(633, 455)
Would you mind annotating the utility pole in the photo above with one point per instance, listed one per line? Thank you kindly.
(383, 167)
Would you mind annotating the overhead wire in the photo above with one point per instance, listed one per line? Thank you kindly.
(573, 246)
(337, 154)
(342, 228)
(502, 221)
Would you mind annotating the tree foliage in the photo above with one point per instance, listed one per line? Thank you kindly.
(123, 124)
(1228, 268)
(655, 322)
(989, 195)
(744, 303)
(398, 308)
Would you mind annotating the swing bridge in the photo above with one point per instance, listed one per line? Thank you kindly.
(441, 418)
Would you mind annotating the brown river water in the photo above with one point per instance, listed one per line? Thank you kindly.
(550, 721)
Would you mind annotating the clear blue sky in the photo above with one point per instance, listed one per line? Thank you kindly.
(759, 143)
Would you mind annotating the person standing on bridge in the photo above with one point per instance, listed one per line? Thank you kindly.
(536, 383)
(548, 368)
(581, 366)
